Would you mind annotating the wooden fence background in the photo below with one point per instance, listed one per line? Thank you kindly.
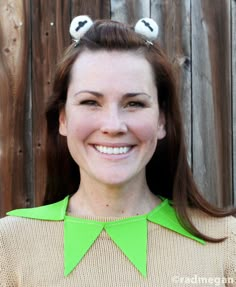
(198, 35)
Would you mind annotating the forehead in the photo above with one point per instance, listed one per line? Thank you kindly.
(89, 57)
(111, 66)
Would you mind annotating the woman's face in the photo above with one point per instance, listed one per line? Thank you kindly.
(111, 118)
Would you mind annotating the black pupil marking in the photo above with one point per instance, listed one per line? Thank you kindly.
(80, 25)
(147, 25)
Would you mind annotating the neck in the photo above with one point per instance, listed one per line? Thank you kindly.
(98, 199)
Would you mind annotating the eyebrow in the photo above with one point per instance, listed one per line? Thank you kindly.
(100, 95)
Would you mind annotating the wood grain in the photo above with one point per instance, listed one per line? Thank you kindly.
(50, 36)
(211, 82)
(174, 20)
(233, 25)
(129, 11)
(13, 81)
(96, 9)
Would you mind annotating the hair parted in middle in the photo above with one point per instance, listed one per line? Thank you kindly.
(168, 173)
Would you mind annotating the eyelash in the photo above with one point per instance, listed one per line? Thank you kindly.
(136, 104)
(89, 103)
(132, 104)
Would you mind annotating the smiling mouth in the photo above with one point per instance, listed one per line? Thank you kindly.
(113, 150)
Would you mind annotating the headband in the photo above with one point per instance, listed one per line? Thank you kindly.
(145, 27)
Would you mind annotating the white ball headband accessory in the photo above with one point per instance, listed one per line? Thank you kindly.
(148, 28)
(79, 26)
(145, 27)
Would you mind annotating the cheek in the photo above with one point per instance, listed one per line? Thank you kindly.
(79, 126)
(146, 129)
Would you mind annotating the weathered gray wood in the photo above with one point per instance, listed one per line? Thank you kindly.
(233, 24)
(129, 11)
(211, 82)
(174, 20)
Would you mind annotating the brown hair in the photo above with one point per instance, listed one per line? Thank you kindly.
(168, 173)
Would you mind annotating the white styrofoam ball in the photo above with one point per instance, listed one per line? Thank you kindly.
(79, 26)
(148, 28)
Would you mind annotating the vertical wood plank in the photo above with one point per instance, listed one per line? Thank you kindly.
(13, 81)
(211, 55)
(233, 25)
(50, 25)
(96, 9)
(174, 20)
(129, 11)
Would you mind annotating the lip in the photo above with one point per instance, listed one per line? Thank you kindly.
(113, 145)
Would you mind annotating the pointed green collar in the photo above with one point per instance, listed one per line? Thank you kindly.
(129, 234)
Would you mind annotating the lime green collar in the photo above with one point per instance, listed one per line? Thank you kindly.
(129, 234)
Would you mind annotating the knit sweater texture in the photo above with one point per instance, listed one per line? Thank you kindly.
(32, 254)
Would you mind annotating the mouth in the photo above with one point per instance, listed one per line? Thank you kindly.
(113, 150)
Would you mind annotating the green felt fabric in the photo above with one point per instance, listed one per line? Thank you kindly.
(129, 234)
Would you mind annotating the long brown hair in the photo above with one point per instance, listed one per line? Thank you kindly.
(168, 173)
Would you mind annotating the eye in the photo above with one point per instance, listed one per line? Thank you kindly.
(89, 103)
(136, 104)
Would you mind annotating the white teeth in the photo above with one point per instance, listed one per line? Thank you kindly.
(111, 150)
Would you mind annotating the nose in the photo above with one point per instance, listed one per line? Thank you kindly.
(113, 123)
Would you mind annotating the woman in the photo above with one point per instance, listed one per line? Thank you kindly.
(121, 207)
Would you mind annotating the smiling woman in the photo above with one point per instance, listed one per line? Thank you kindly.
(113, 147)
(121, 205)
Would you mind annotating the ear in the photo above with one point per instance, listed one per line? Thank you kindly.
(161, 133)
(62, 123)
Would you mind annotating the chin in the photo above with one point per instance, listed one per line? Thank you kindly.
(113, 183)
(113, 180)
